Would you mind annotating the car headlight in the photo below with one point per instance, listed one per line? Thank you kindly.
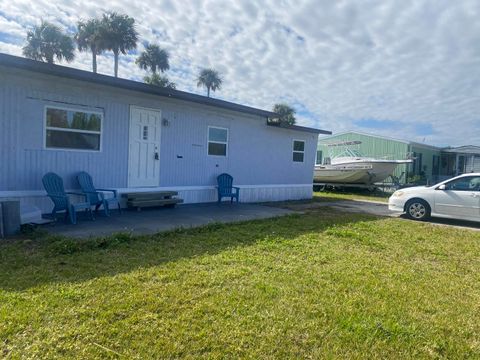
(398, 194)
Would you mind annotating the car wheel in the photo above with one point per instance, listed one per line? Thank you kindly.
(417, 209)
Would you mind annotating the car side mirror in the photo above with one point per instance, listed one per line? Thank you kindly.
(441, 187)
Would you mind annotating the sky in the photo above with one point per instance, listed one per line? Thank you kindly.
(404, 69)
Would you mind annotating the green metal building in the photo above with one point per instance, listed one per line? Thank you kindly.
(425, 164)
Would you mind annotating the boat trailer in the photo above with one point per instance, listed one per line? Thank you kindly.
(393, 185)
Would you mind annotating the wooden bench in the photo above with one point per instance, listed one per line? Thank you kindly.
(139, 200)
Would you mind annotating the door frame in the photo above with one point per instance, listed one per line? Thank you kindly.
(131, 108)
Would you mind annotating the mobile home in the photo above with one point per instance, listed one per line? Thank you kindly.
(130, 135)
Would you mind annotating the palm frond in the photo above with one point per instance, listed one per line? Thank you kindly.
(210, 79)
(153, 58)
(118, 32)
(47, 42)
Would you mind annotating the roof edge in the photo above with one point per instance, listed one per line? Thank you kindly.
(300, 128)
(372, 135)
(407, 142)
(107, 80)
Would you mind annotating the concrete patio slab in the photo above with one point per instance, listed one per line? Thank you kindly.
(151, 221)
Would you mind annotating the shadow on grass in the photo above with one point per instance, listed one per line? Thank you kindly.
(44, 259)
(353, 193)
(449, 222)
(332, 196)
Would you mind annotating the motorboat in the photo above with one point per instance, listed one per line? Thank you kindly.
(351, 167)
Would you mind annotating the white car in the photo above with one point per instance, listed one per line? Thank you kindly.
(456, 198)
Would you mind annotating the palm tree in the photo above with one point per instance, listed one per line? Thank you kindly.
(119, 35)
(47, 42)
(153, 58)
(158, 80)
(286, 114)
(89, 37)
(210, 79)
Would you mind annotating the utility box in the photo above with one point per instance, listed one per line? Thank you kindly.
(9, 217)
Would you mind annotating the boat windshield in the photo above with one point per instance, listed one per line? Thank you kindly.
(350, 153)
(344, 149)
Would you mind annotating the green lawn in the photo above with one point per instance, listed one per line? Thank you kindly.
(351, 195)
(319, 285)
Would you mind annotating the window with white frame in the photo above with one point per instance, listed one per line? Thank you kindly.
(217, 141)
(72, 129)
(298, 150)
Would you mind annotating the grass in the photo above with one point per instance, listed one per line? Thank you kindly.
(329, 196)
(352, 195)
(318, 285)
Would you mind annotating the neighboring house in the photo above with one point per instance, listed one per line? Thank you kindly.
(434, 163)
(426, 158)
(129, 135)
(460, 160)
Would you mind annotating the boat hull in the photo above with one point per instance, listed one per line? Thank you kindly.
(380, 169)
(356, 172)
(334, 175)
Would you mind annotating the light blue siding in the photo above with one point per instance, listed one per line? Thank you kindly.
(257, 153)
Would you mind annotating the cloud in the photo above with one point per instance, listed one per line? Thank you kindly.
(377, 124)
(413, 64)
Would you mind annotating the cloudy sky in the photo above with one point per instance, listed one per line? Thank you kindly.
(406, 69)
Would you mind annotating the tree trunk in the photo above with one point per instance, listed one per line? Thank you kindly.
(208, 91)
(94, 61)
(115, 56)
(49, 58)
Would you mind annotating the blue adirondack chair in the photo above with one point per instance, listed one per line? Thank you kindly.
(96, 196)
(225, 188)
(53, 184)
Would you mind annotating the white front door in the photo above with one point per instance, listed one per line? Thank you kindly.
(144, 147)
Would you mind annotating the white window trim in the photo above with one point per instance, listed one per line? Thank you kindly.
(45, 128)
(218, 142)
(298, 151)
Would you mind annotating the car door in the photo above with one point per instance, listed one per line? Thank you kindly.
(460, 198)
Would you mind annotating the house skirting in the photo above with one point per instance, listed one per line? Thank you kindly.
(190, 194)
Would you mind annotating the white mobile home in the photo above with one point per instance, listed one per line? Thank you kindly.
(129, 135)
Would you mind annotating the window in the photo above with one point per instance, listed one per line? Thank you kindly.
(318, 160)
(468, 183)
(217, 141)
(72, 129)
(298, 150)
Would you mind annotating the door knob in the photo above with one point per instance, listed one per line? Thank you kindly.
(156, 156)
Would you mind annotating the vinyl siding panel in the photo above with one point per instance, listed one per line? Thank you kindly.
(475, 164)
